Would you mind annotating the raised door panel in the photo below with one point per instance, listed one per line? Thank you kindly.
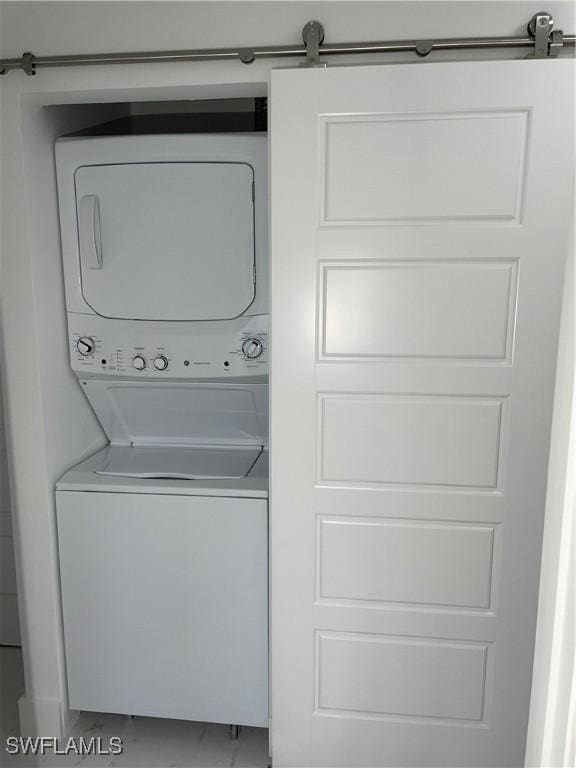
(380, 676)
(380, 561)
(461, 310)
(439, 440)
(383, 168)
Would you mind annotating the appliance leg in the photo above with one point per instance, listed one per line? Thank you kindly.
(234, 732)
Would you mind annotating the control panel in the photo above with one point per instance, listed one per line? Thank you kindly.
(103, 347)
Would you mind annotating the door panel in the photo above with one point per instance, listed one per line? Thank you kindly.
(419, 224)
(375, 170)
(436, 440)
(382, 309)
(420, 557)
(379, 675)
(151, 230)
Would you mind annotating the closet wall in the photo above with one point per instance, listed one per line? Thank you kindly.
(9, 628)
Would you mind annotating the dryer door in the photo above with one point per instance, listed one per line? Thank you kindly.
(166, 241)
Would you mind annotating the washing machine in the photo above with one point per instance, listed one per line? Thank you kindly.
(163, 532)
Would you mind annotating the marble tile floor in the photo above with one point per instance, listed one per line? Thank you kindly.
(147, 742)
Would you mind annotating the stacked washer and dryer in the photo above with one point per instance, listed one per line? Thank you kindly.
(163, 534)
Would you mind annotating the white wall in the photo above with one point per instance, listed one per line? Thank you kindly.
(9, 626)
(552, 729)
(49, 423)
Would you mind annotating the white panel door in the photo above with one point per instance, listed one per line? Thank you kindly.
(420, 214)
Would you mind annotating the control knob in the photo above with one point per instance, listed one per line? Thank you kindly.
(139, 362)
(160, 363)
(252, 348)
(86, 345)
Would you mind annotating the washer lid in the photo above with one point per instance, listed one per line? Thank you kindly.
(180, 414)
(166, 241)
(157, 463)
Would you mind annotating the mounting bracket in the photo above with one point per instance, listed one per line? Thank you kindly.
(547, 43)
(28, 65)
(313, 36)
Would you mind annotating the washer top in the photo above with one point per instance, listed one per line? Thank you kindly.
(183, 463)
(169, 470)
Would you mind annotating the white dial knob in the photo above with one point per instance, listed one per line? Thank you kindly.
(252, 348)
(160, 363)
(139, 362)
(86, 345)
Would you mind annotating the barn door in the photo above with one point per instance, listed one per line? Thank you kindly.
(419, 225)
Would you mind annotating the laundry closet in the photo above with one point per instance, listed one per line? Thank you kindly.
(163, 534)
(292, 338)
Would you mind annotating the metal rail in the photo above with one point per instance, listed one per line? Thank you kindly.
(541, 39)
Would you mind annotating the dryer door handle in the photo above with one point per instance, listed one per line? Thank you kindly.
(89, 231)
